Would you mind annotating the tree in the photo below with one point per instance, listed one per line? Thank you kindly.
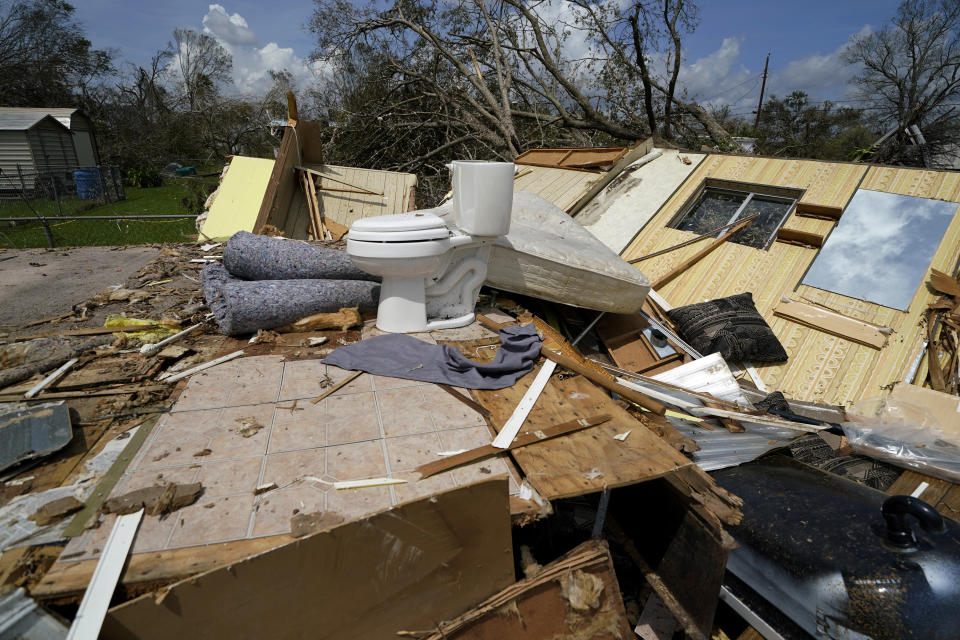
(44, 56)
(911, 75)
(795, 127)
(201, 64)
(418, 82)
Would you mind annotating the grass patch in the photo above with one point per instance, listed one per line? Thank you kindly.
(164, 200)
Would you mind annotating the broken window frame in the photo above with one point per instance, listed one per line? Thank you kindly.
(748, 190)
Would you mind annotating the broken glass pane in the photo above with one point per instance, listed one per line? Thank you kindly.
(881, 248)
(770, 215)
(713, 209)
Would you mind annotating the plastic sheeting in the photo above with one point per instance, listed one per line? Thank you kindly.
(245, 306)
(910, 428)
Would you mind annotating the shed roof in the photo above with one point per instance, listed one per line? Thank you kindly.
(63, 115)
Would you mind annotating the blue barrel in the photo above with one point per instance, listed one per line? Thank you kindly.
(88, 183)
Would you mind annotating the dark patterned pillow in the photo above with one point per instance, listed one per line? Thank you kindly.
(729, 326)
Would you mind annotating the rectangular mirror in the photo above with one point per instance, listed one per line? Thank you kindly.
(881, 249)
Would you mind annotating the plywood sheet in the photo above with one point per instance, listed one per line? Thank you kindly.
(395, 189)
(405, 568)
(237, 203)
(589, 460)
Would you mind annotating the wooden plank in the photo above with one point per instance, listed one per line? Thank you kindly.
(944, 283)
(99, 331)
(522, 440)
(546, 606)
(350, 378)
(812, 210)
(317, 210)
(96, 600)
(606, 381)
(695, 258)
(314, 229)
(86, 393)
(801, 238)
(66, 578)
(404, 568)
(909, 481)
(831, 322)
(511, 427)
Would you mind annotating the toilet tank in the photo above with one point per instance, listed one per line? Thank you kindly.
(482, 196)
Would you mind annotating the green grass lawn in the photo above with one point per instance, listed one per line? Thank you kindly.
(72, 233)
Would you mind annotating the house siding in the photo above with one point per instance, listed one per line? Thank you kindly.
(821, 367)
(14, 149)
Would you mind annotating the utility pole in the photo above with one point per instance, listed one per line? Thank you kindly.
(763, 86)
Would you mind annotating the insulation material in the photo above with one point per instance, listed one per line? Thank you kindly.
(245, 306)
(237, 201)
(255, 257)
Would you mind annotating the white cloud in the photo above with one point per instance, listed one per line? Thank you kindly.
(821, 76)
(717, 78)
(228, 29)
(721, 79)
(252, 63)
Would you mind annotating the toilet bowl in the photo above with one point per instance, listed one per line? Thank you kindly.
(432, 268)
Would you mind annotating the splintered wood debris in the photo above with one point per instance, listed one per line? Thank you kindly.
(157, 500)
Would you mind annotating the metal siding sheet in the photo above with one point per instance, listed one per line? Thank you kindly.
(821, 367)
(14, 149)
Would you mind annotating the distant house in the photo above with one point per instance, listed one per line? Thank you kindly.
(35, 141)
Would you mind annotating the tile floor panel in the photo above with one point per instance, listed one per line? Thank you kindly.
(256, 417)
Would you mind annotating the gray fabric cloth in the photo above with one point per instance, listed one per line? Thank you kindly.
(244, 306)
(256, 257)
(401, 356)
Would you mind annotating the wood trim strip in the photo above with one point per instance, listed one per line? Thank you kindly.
(804, 238)
(812, 210)
(831, 322)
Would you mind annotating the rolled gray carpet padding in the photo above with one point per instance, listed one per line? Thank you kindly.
(255, 257)
(245, 306)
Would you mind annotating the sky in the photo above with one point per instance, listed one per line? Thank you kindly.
(723, 58)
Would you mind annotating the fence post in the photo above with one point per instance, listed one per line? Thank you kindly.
(56, 195)
(43, 219)
(103, 186)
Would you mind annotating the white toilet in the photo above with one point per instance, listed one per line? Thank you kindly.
(432, 272)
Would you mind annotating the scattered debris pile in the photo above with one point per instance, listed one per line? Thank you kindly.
(225, 435)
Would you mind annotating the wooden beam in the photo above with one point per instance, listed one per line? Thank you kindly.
(311, 218)
(606, 381)
(802, 238)
(660, 282)
(522, 440)
(325, 176)
(823, 211)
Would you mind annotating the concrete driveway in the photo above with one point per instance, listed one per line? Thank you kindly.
(40, 283)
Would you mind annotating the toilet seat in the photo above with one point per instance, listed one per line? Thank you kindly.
(400, 227)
